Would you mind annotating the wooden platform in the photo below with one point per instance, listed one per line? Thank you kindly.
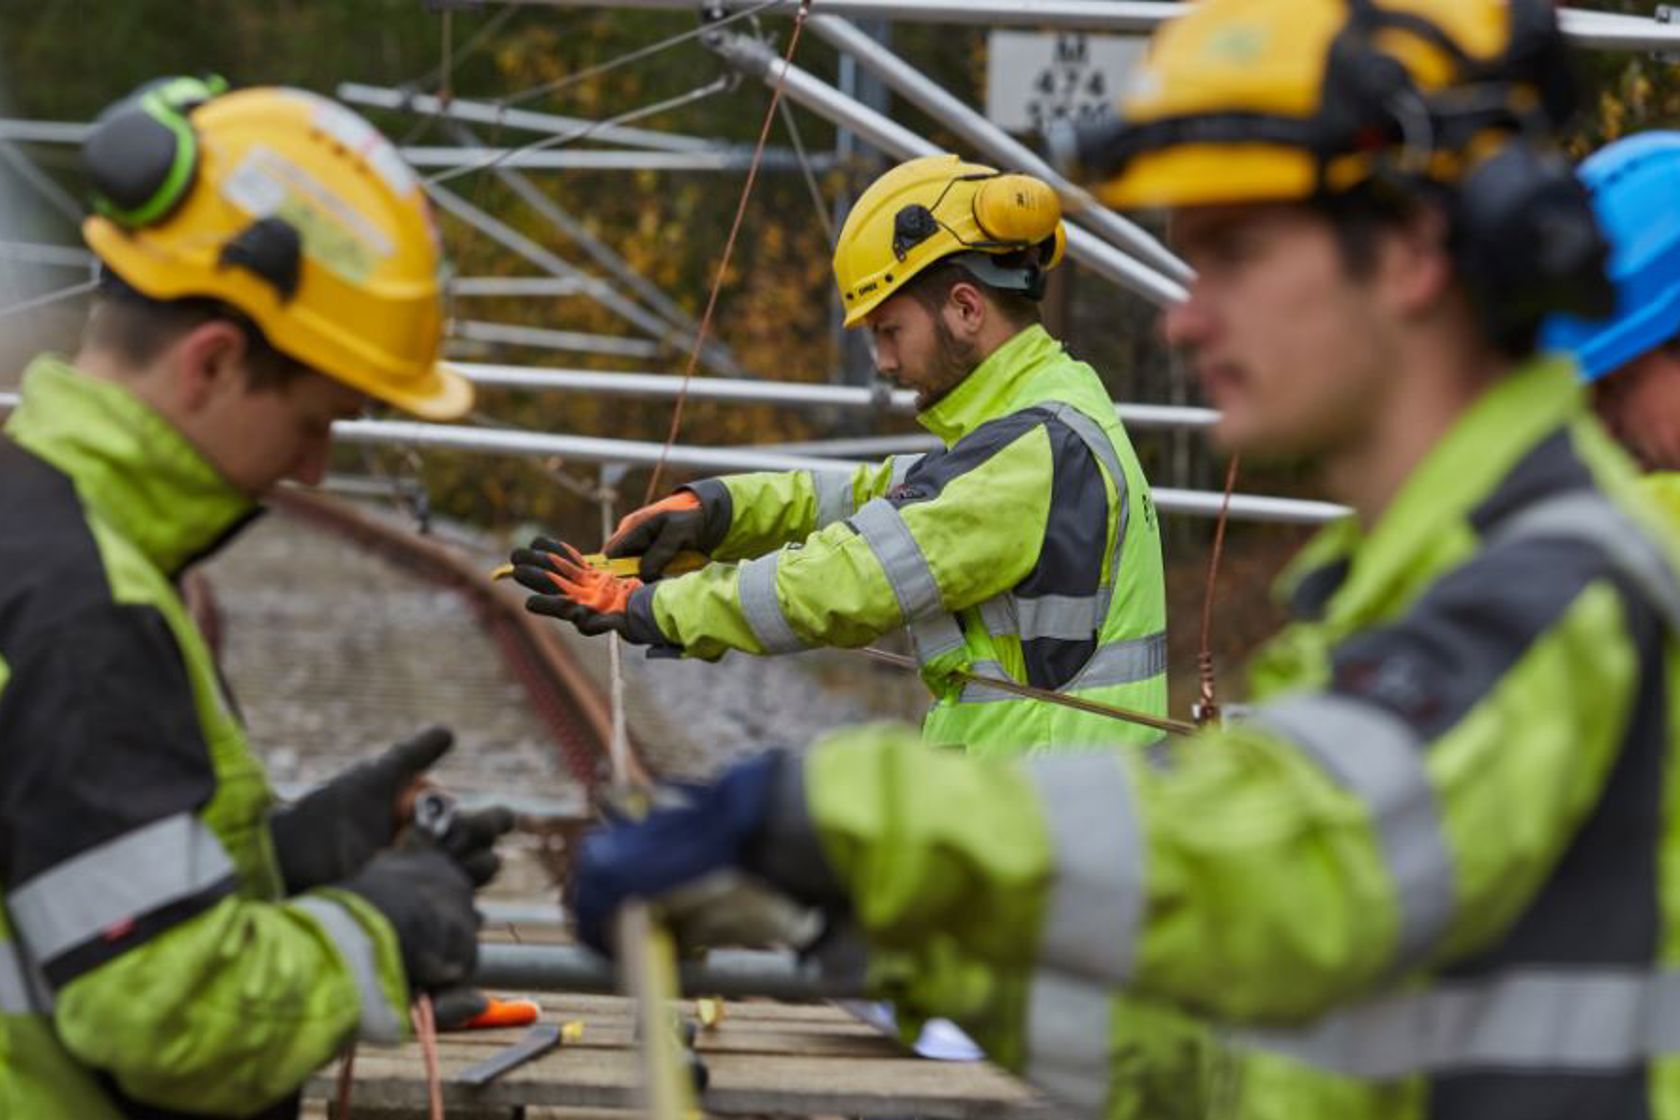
(763, 1058)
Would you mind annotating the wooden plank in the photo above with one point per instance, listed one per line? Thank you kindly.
(763, 1058)
(738, 1084)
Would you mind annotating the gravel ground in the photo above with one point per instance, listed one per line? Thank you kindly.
(334, 653)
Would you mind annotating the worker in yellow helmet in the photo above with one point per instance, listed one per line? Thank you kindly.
(1026, 547)
(1431, 871)
(171, 942)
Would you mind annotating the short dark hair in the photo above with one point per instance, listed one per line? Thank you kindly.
(1361, 216)
(932, 288)
(137, 328)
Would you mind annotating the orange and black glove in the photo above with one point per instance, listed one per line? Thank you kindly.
(593, 600)
(694, 518)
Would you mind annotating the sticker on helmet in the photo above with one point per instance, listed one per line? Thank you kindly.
(358, 136)
(333, 233)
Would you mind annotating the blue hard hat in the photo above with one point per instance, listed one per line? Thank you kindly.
(1635, 185)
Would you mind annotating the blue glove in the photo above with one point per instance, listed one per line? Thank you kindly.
(714, 830)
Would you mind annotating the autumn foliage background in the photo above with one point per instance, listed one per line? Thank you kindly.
(66, 59)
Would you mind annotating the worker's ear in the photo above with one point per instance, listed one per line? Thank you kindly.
(965, 309)
(207, 362)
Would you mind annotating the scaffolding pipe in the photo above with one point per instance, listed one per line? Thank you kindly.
(732, 973)
(582, 159)
(518, 286)
(715, 355)
(756, 58)
(551, 263)
(512, 334)
(788, 394)
(479, 112)
(1598, 30)
(995, 144)
(591, 449)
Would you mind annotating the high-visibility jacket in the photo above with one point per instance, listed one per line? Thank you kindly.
(148, 964)
(1435, 873)
(1664, 488)
(1027, 548)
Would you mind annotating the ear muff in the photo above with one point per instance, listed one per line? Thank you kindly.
(1017, 209)
(1528, 244)
(142, 154)
(1524, 237)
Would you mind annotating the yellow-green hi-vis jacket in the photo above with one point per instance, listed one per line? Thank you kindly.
(1435, 873)
(149, 965)
(1027, 549)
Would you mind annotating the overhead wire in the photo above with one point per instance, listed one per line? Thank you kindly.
(704, 328)
(635, 55)
(548, 142)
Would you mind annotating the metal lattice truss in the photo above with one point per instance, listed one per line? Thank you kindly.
(1101, 241)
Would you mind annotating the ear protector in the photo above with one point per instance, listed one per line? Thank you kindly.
(1015, 214)
(1524, 235)
(142, 155)
(142, 160)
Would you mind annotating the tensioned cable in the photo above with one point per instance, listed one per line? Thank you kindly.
(58, 296)
(547, 142)
(728, 250)
(628, 57)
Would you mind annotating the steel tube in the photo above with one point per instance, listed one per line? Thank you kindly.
(480, 112)
(995, 144)
(589, 449)
(519, 286)
(714, 354)
(785, 393)
(591, 159)
(511, 334)
(731, 973)
(757, 59)
(1599, 30)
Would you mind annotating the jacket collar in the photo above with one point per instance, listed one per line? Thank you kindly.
(986, 392)
(1466, 465)
(131, 467)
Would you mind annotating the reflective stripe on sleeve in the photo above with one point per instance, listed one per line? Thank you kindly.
(902, 465)
(108, 886)
(1378, 757)
(378, 1021)
(763, 609)
(835, 501)
(1068, 1040)
(1560, 1020)
(1096, 901)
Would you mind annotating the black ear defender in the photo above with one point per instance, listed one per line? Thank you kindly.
(142, 154)
(1524, 236)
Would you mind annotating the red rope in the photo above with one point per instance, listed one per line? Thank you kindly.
(1207, 706)
(728, 251)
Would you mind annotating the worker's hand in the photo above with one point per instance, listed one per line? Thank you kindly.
(471, 841)
(694, 861)
(593, 600)
(330, 832)
(658, 532)
(428, 899)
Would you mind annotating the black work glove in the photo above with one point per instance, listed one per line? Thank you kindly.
(428, 899)
(693, 518)
(471, 841)
(331, 832)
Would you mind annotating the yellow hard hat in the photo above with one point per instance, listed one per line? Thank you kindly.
(293, 210)
(937, 207)
(1244, 102)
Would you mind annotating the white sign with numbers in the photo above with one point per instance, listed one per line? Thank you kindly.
(1034, 79)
